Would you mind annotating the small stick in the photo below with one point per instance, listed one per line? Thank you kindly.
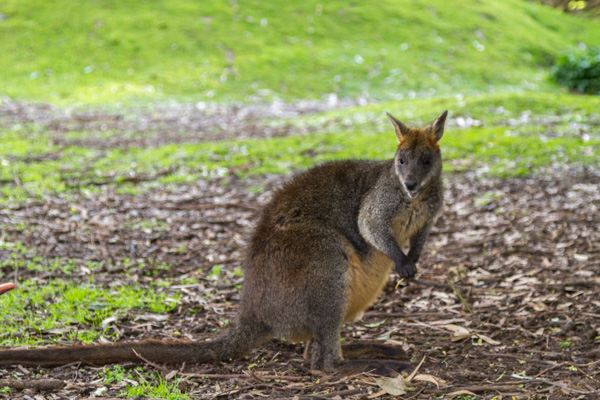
(412, 375)
(158, 367)
(551, 368)
(460, 297)
(234, 376)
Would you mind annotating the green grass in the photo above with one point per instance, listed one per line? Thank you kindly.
(542, 134)
(111, 51)
(141, 384)
(154, 386)
(60, 309)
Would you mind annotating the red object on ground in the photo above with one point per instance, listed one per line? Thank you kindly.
(5, 287)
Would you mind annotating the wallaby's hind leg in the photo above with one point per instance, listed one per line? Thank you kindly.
(375, 367)
(375, 358)
(364, 350)
(372, 351)
(326, 354)
(247, 334)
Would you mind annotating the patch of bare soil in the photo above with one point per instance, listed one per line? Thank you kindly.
(169, 123)
(524, 254)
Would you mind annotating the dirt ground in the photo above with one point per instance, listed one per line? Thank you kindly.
(524, 253)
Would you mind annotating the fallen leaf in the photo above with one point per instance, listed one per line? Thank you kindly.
(393, 386)
(430, 378)
(458, 332)
(459, 392)
(487, 339)
(537, 305)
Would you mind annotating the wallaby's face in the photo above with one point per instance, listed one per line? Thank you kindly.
(418, 159)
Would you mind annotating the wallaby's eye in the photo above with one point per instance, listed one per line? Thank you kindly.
(401, 160)
(426, 160)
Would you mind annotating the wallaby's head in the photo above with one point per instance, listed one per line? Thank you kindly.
(418, 159)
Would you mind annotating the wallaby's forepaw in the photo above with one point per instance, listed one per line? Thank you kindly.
(406, 268)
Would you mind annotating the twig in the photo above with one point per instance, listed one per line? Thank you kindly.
(158, 367)
(341, 394)
(551, 368)
(208, 206)
(256, 376)
(552, 363)
(407, 314)
(460, 297)
(538, 380)
(479, 388)
(412, 375)
(119, 179)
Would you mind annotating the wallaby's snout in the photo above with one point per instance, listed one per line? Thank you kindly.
(411, 185)
(412, 176)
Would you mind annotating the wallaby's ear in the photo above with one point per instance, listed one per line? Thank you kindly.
(399, 127)
(437, 127)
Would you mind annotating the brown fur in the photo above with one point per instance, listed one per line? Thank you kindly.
(320, 255)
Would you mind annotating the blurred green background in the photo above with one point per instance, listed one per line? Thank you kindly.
(102, 52)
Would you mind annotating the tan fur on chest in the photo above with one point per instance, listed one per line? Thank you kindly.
(406, 224)
(366, 280)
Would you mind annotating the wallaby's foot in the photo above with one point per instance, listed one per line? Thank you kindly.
(372, 351)
(324, 353)
(375, 367)
(374, 358)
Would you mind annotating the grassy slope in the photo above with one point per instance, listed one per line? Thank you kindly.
(107, 51)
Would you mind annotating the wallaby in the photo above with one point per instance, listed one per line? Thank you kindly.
(320, 255)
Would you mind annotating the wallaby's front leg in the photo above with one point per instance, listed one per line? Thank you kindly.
(417, 242)
(404, 266)
(374, 223)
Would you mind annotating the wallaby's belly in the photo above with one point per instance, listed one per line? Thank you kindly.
(366, 279)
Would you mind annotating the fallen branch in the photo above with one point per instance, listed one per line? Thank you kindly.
(480, 388)
(538, 380)
(341, 394)
(119, 179)
(38, 384)
(207, 206)
(256, 376)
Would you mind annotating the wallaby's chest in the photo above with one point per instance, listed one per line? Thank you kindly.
(409, 220)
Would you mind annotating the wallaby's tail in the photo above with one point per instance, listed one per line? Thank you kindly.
(236, 342)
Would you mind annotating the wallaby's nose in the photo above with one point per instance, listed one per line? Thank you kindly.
(411, 185)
